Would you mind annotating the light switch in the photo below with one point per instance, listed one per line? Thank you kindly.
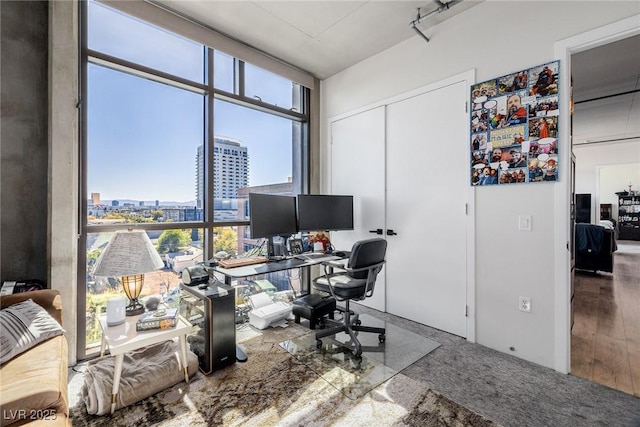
(524, 222)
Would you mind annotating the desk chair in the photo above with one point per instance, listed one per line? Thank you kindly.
(355, 282)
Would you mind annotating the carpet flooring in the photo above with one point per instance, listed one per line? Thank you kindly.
(274, 389)
(494, 387)
(513, 391)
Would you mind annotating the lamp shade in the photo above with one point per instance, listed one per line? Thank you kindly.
(128, 253)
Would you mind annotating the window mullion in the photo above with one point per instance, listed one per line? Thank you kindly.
(209, 171)
(239, 77)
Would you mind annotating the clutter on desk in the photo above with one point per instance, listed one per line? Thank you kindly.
(152, 303)
(263, 285)
(158, 319)
(320, 238)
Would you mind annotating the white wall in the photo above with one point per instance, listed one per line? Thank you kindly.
(508, 263)
(604, 169)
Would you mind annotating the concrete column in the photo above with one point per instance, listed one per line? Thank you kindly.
(63, 228)
(23, 140)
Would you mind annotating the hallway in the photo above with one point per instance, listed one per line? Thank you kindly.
(605, 339)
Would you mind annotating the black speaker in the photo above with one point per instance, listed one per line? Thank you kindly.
(211, 310)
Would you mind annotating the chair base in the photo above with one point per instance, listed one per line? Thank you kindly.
(351, 325)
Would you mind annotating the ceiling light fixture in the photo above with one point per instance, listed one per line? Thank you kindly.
(441, 8)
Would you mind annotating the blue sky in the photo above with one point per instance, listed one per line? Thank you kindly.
(143, 136)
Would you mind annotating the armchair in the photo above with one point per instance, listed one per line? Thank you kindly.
(356, 282)
(595, 246)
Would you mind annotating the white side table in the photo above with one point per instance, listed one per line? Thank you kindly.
(123, 338)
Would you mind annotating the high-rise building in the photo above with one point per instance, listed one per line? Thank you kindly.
(230, 169)
(95, 198)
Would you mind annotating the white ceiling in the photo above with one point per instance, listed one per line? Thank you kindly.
(612, 73)
(320, 37)
(326, 37)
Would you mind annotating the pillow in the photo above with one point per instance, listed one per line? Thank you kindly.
(606, 224)
(24, 325)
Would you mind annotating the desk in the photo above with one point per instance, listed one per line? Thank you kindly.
(271, 267)
(123, 338)
(266, 268)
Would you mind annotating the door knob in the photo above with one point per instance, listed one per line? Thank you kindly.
(390, 232)
(377, 231)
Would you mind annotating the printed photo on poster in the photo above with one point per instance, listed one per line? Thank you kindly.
(514, 127)
(479, 142)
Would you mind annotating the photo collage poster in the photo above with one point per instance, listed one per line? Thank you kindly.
(514, 127)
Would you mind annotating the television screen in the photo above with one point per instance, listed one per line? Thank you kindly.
(272, 215)
(320, 212)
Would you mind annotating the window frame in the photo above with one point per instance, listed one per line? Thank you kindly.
(208, 224)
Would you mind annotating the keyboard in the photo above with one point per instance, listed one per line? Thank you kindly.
(240, 262)
(313, 255)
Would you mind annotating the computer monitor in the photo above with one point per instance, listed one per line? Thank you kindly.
(272, 215)
(324, 212)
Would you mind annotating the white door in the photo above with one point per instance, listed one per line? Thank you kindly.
(427, 182)
(357, 168)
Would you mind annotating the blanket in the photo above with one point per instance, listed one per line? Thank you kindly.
(589, 238)
(145, 372)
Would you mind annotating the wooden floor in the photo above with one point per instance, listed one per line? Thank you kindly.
(605, 339)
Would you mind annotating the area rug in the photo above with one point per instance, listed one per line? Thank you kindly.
(355, 376)
(274, 389)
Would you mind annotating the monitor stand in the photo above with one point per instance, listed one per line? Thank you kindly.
(276, 252)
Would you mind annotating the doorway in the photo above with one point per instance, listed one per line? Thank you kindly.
(606, 143)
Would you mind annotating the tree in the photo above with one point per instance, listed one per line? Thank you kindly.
(157, 214)
(227, 240)
(92, 257)
(173, 241)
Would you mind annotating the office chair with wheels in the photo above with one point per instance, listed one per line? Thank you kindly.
(355, 282)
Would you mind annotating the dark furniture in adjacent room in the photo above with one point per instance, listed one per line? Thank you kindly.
(628, 216)
(595, 246)
(583, 208)
(355, 282)
(606, 211)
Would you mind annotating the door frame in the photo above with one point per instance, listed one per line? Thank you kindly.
(563, 49)
(470, 78)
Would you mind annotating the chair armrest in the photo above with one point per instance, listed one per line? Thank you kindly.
(367, 268)
(49, 299)
(334, 264)
(330, 266)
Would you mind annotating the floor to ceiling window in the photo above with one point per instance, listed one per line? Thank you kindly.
(177, 134)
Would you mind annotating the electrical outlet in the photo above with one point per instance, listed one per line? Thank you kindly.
(525, 304)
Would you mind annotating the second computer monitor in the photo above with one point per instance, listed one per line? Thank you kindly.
(323, 212)
(272, 215)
